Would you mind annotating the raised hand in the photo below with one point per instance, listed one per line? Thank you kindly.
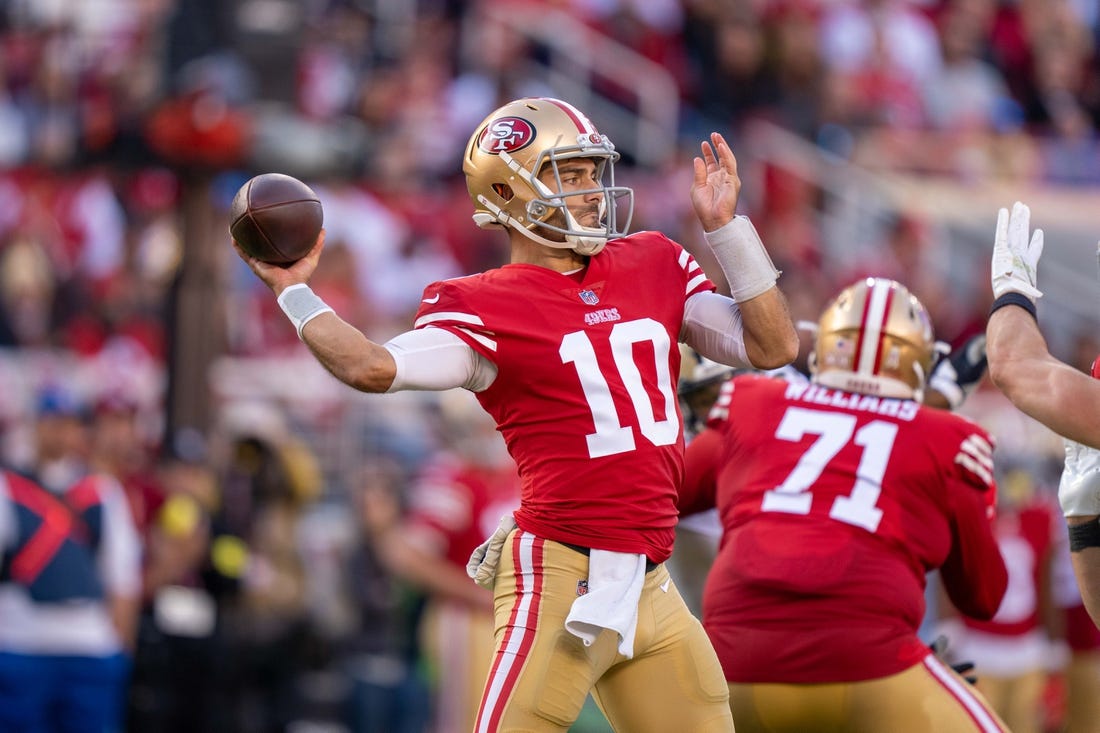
(716, 187)
(1015, 258)
(280, 277)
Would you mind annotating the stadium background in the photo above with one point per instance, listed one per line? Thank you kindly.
(873, 137)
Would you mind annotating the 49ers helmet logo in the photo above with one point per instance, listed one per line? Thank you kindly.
(506, 134)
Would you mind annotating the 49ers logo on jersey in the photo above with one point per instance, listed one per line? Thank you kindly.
(506, 134)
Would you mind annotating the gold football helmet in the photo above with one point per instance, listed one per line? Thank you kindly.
(512, 146)
(874, 337)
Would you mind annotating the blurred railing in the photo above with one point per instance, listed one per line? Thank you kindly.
(578, 61)
(963, 215)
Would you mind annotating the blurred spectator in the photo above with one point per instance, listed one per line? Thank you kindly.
(181, 669)
(967, 93)
(1015, 651)
(267, 478)
(1082, 674)
(382, 655)
(69, 593)
(456, 501)
(60, 439)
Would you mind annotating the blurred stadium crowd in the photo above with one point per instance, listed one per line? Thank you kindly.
(127, 125)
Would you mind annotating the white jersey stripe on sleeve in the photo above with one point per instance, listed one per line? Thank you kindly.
(485, 341)
(448, 316)
(695, 282)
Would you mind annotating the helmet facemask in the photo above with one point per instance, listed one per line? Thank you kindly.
(507, 190)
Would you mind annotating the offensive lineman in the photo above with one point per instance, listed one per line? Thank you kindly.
(836, 498)
(571, 347)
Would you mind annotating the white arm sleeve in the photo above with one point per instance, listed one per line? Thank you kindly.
(120, 548)
(436, 359)
(712, 326)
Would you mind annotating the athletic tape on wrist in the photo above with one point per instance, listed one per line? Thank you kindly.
(302, 305)
(1084, 535)
(1014, 298)
(744, 261)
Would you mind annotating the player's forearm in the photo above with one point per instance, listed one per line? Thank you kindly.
(1086, 566)
(349, 355)
(1054, 393)
(429, 572)
(770, 337)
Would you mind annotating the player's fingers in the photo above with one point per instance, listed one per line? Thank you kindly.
(708, 154)
(319, 245)
(1036, 247)
(725, 153)
(1019, 223)
(243, 255)
(700, 171)
(1000, 238)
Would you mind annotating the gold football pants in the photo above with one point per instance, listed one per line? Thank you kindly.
(541, 673)
(929, 697)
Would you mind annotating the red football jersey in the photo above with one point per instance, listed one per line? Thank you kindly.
(834, 505)
(585, 393)
(1026, 535)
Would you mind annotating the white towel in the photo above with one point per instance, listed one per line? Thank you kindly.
(615, 581)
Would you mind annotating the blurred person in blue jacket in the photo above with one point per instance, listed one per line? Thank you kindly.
(70, 581)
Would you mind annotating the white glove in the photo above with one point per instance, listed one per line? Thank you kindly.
(482, 566)
(1079, 489)
(1014, 258)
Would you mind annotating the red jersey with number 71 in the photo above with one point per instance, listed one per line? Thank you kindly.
(585, 394)
(834, 506)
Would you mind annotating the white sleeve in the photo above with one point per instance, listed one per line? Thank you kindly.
(712, 326)
(436, 359)
(119, 547)
(7, 518)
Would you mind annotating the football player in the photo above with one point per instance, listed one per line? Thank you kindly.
(837, 496)
(1053, 392)
(571, 348)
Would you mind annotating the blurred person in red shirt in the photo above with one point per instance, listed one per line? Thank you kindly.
(455, 501)
(836, 498)
(1015, 652)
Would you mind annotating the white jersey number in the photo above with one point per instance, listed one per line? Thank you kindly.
(834, 431)
(611, 435)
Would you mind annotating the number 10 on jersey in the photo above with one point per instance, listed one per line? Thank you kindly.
(611, 436)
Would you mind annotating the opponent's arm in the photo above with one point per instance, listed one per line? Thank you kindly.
(1064, 399)
(1020, 363)
(768, 334)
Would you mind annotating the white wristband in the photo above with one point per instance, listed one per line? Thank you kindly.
(301, 305)
(743, 259)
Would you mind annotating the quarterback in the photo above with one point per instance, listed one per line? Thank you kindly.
(836, 497)
(571, 347)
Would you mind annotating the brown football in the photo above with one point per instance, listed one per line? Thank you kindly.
(276, 218)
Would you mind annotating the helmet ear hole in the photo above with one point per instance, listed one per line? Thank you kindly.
(503, 190)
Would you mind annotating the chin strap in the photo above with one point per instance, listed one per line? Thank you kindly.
(582, 245)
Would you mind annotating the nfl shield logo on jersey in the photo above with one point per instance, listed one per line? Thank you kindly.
(589, 297)
(582, 587)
